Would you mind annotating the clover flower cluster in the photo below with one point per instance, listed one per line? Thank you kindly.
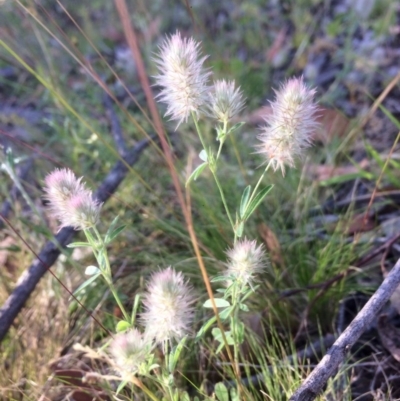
(129, 350)
(168, 306)
(290, 126)
(225, 101)
(70, 201)
(245, 261)
(182, 77)
(167, 316)
(184, 82)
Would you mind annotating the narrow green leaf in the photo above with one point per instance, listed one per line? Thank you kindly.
(196, 173)
(101, 260)
(175, 354)
(86, 283)
(78, 244)
(340, 179)
(218, 279)
(235, 127)
(219, 302)
(122, 325)
(219, 348)
(90, 237)
(244, 307)
(256, 201)
(121, 386)
(110, 237)
(135, 308)
(112, 225)
(240, 332)
(205, 328)
(244, 201)
(239, 229)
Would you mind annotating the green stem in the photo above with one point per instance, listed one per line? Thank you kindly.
(223, 200)
(121, 306)
(234, 320)
(222, 140)
(108, 276)
(199, 134)
(221, 143)
(212, 169)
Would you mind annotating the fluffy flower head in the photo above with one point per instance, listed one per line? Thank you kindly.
(83, 211)
(290, 125)
(225, 101)
(128, 350)
(246, 260)
(168, 306)
(61, 184)
(70, 202)
(182, 77)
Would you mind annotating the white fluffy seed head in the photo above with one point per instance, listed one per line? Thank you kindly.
(245, 261)
(290, 126)
(182, 77)
(225, 101)
(128, 351)
(168, 307)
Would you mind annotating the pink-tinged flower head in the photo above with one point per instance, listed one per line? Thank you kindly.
(182, 77)
(83, 211)
(61, 184)
(168, 306)
(225, 101)
(129, 350)
(290, 125)
(246, 260)
(70, 201)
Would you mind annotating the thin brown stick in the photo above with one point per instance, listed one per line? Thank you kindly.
(330, 363)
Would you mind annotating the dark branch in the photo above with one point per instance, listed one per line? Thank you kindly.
(329, 364)
(116, 129)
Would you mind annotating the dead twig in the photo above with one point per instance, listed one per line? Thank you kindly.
(52, 249)
(329, 364)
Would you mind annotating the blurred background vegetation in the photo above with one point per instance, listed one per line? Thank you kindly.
(321, 224)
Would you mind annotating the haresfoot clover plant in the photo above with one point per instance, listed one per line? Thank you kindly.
(168, 302)
(287, 133)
